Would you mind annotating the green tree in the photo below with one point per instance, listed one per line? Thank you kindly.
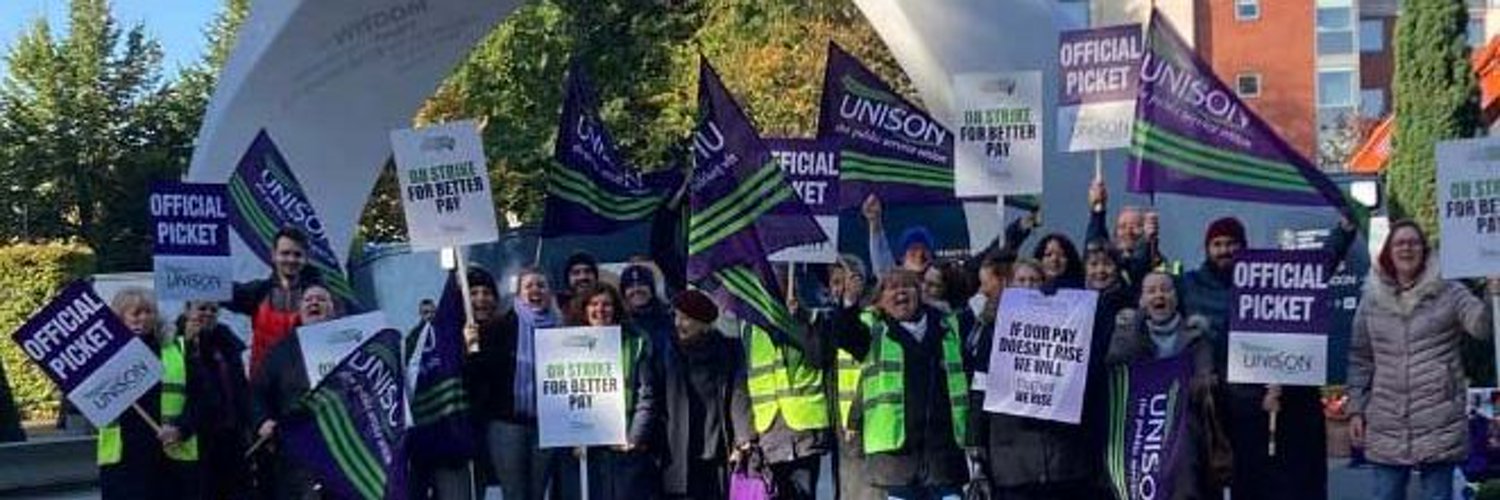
(89, 112)
(1436, 99)
(643, 57)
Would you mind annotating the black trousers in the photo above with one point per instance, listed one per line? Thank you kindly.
(797, 479)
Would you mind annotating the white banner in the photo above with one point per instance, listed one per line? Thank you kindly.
(445, 186)
(1468, 191)
(580, 387)
(999, 147)
(1039, 359)
(1278, 358)
(325, 344)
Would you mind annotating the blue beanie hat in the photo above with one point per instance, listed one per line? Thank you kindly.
(637, 275)
(915, 235)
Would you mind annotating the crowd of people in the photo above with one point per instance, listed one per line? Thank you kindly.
(884, 374)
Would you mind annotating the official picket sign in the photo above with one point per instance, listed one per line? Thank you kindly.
(812, 168)
(580, 387)
(445, 185)
(1040, 356)
(1097, 87)
(1278, 317)
(325, 344)
(1000, 133)
(190, 234)
(1468, 190)
(98, 363)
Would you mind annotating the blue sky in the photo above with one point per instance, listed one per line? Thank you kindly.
(176, 24)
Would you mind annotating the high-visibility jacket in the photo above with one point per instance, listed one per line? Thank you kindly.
(781, 380)
(847, 371)
(173, 401)
(883, 398)
(633, 346)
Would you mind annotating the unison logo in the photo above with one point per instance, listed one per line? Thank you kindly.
(1190, 87)
(884, 111)
(284, 198)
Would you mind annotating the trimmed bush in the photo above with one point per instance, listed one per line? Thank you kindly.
(29, 276)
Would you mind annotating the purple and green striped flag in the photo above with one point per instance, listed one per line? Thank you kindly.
(267, 197)
(594, 190)
(742, 209)
(440, 427)
(888, 146)
(1192, 135)
(1148, 412)
(352, 434)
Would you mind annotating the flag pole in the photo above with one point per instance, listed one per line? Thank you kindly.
(1098, 165)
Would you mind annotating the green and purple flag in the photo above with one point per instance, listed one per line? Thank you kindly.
(1148, 412)
(440, 427)
(742, 209)
(595, 190)
(267, 197)
(352, 434)
(1192, 135)
(888, 146)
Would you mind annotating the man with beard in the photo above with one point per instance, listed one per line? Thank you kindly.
(647, 311)
(272, 303)
(580, 273)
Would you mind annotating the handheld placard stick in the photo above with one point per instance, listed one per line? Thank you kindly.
(463, 283)
(147, 417)
(260, 441)
(1273, 391)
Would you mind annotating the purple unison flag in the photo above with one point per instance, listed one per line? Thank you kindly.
(889, 147)
(1193, 135)
(1148, 412)
(594, 190)
(1281, 291)
(441, 428)
(267, 197)
(353, 432)
(743, 209)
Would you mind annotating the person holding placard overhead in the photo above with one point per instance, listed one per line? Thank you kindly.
(278, 390)
(629, 471)
(152, 450)
(1406, 378)
(911, 414)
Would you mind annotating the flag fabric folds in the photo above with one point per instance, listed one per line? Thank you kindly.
(440, 427)
(742, 210)
(888, 146)
(1192, 135)
(594, 190)
(267, 197)
(1148, 412)
(352, 430)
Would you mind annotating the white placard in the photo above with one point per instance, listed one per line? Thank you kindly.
(580, 387)
(1039, 359)
(192, 277)
(999, 146)
(325, 344)
(445, 185)
(117, 384)
(1468, 192)
(1278, 358)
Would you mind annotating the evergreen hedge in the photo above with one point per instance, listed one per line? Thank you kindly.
(29, 276)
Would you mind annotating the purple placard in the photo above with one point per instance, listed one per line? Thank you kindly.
(1280, 291)
(812, 168)
(73, 336)
(190, 219)
(1098, 65)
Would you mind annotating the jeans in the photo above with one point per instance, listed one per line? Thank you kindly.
(1436, 481)
(924, 493)
(524, 470)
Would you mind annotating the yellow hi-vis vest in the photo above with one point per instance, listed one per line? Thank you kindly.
(173, 400)
(847, 370)
(884, 387)
(781, 380)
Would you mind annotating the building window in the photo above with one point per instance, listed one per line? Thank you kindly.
(1335, 30)
(1336, 88)
(1475, 32)
(1247, 10)
(1247, 85)
(1372, 103)
(1372, 36)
